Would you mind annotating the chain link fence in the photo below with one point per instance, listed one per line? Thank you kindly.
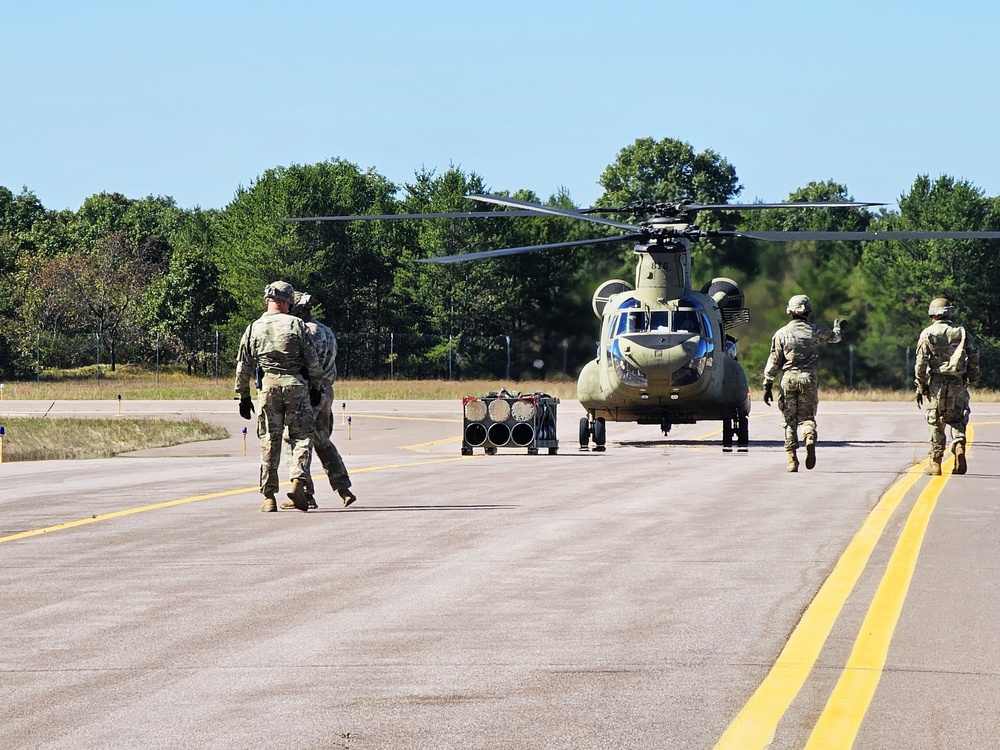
(370, 355)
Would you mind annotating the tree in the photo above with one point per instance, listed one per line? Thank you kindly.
(901, 277)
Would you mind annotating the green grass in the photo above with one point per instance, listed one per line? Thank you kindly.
(39, 439)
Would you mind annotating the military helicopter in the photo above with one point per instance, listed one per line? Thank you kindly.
(665, 355)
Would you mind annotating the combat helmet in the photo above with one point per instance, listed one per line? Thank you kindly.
(940, 307)
(799, 305)
(303, 305)
(281, 291)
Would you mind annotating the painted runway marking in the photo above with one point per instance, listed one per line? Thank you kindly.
(198, 498)
(837, 726)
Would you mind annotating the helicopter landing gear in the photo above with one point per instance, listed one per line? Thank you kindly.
(597, 429)
(738, 425)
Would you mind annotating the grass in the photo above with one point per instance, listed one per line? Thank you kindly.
(38, 439)
(133, 383)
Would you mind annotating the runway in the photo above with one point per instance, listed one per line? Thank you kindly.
(662, 594)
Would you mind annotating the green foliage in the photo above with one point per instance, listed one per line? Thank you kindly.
(122, 268)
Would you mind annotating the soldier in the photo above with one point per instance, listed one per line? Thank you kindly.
(279, 350)
(795, 351)
(947, 361)
(329, 456)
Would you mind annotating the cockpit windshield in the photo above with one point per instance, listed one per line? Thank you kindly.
(661, 321)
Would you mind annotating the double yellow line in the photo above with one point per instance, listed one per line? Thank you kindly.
(837, 726)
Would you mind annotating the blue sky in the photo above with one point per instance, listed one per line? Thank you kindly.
(193, 99)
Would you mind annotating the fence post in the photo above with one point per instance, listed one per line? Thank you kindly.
(392, 372)
(216, 356)
(507, 376)
(850, 377)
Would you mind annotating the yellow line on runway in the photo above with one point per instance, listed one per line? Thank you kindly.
(755, 725)
(214, 495)
(840, 721)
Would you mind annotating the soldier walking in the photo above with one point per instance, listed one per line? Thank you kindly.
(795, 353)
(947, 361)
(279, 350)
(329, 456)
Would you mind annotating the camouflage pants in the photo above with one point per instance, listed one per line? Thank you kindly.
(798, 402)
(327, 452)
(281, 407)
(947, 405)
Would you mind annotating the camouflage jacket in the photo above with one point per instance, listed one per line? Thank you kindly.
(326, 349)
(282, 346)
(945, 348)
(796, 347)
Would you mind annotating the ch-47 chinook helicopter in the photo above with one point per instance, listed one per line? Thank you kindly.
(664, 355)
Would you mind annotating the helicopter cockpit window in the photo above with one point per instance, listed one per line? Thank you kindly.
(686, 321)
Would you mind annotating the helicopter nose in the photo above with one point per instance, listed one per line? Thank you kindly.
(658, 360)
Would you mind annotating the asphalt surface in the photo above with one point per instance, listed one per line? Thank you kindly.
(662, 594)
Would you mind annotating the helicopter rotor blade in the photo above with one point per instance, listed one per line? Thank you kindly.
(450, 215)
(833, 236)
(530, 249)
(540, 209)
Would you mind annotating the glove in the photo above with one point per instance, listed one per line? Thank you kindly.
(246, 407)
(315, 396)
(836, 324)
(768, 394)
(920, 399)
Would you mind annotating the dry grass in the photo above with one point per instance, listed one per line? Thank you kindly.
(133, 383)
(136, 384)
(39, 439)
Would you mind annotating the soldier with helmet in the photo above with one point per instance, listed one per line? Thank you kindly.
(329, 456)
(947, 361)
(279, 349)
(795, 354)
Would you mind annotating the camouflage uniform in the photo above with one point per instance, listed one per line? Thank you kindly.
(329, 456)
(795, 353)
(283, 347)
(947, 360)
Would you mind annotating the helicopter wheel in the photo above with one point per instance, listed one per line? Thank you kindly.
(600, 434)
(727, 434)
(584, 434)
(742, 432)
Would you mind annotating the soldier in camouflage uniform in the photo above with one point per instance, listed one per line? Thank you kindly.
(947, 361)
(280, 350)
(329, 456)
(795, 353)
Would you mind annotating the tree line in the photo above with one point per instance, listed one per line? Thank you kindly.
(121, 271)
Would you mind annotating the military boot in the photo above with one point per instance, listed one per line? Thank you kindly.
(934, 469)
(961, 464)
(290, 503)
(298, 496)
(810, 452)
(793, 462)
(269, 505)
(348, 496)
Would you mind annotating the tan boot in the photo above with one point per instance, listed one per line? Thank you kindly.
(793, 462)
(810, 452)
(934, 469)
(961, 464)
(298, 496)
(310, 501)
(269, 505)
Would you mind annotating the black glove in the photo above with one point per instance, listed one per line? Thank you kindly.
(315, 396)
(920, 399)
(768, 395)
(246, 407)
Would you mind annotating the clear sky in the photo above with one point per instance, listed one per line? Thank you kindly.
(193, 99)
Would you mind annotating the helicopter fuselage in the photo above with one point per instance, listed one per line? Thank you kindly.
(664, 357)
